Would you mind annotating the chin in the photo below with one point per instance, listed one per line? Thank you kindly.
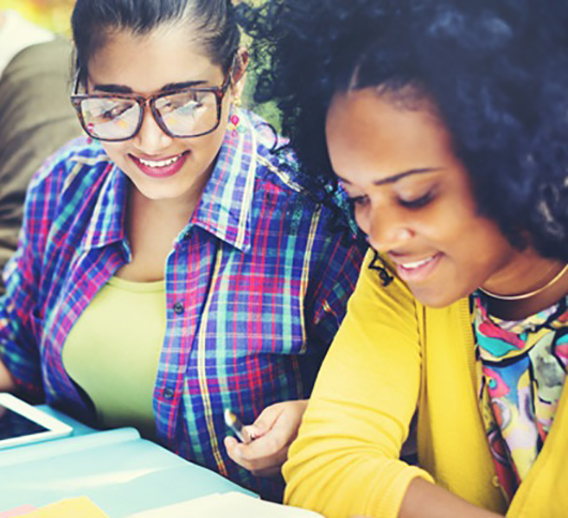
(436, 298)
(159, 196)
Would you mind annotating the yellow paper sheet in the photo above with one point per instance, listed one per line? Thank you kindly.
(72, 508)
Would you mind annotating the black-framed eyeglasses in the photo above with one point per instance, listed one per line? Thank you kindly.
(184, 113)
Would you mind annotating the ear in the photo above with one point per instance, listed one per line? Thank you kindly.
(238, 72)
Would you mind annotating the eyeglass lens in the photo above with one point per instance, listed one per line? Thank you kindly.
(184, 114)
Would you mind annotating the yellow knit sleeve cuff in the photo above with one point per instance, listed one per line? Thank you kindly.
(388, 505)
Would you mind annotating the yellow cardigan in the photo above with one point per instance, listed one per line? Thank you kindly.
(390, 355)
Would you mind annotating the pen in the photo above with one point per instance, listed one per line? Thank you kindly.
(235, 424)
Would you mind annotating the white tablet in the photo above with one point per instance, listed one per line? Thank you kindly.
(21, 423)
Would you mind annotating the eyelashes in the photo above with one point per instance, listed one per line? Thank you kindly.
(415, 203)
(357, 200)
(419, 202)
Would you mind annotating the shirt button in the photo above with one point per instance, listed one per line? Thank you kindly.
(495, 481)
(168, 393)
(179, 308)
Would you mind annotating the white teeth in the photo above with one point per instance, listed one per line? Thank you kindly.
(416, 264)
(160, 163)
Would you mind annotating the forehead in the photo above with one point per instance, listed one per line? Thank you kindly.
(147, 62)
(378, 134)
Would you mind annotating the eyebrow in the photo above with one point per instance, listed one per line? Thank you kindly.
(394, 178)
(122, 89)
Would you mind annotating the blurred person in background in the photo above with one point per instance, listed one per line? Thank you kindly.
(36, 117)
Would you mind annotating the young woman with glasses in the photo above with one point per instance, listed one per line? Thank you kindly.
(446, 122)
(171, 266)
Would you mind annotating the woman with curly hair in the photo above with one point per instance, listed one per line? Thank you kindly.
(446, 123)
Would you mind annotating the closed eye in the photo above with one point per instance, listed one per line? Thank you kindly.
(417, 203)
(357, 200)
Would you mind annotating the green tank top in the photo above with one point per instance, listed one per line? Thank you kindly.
(113, 351)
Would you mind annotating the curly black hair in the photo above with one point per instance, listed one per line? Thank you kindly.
(496, 69)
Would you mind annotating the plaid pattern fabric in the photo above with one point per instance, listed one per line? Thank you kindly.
(256, 286)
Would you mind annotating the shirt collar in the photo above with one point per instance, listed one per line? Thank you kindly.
(106, 223)
(225, 206)
(224, 209)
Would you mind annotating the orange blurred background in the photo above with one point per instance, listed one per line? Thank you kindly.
(51, 14)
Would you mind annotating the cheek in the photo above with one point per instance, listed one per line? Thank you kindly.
(479, 250)
(493, 245)
(452, 222)
(116, 151)
(210, 146)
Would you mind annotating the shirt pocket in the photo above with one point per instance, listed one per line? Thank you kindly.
(266, 324)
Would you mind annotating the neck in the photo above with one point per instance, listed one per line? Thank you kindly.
(175, 208)
(171, 216)
(165, 218)
(535, 285)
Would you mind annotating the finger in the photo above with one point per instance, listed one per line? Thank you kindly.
(262, 454)
(263, 447)
(265, 421)
(231, 445)
(275, 429)
(271, 445)
(264, 466)
(269, 466)
(237, 452)
(268, 445)
(252, 432)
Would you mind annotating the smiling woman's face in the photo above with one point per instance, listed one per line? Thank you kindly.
(161, 167)
(412, 196)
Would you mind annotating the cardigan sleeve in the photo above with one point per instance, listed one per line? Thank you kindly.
(345, 461)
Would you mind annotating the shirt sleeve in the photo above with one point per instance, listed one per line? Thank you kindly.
(20, 311)
(345, 461)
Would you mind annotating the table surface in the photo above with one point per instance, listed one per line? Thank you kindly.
(122, 473)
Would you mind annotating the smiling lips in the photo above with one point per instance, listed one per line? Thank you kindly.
(161, 168)
(416, 271)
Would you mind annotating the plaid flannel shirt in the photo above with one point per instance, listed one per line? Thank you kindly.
(256, 287)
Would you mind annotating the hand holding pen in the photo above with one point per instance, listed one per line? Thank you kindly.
(269, 437)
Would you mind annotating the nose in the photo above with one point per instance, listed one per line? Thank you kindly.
(386, 228)
(151, 139)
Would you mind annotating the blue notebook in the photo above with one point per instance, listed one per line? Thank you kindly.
(120, 472)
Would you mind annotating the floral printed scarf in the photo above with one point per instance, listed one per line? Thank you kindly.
(521, 371)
